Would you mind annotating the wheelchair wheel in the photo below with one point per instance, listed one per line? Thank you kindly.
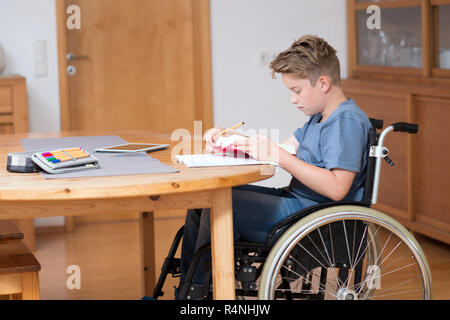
(346, 253)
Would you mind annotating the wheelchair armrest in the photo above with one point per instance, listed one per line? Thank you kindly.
(278, 229)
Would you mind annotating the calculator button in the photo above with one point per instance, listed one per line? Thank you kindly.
(80, 156)
(77, 153)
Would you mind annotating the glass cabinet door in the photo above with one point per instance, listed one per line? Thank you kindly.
(443, 36)
(398, 43)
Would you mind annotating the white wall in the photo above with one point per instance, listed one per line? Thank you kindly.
(243, 89)
(241, 30)
(22, 22)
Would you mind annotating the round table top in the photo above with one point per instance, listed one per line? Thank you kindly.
(32, 186)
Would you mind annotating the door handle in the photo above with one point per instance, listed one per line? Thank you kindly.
(72, 56)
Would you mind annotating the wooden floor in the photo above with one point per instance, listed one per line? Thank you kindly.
(108, 255)
(109, 259)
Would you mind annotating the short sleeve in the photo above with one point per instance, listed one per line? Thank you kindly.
(298, 134)
(343, 143)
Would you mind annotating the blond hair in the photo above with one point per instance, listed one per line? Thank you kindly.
(308, 58)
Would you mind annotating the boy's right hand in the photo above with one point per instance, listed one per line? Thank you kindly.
(210, 138)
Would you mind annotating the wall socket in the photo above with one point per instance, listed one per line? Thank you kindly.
(40, 58)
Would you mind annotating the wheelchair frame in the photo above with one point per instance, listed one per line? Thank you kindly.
(247, 253)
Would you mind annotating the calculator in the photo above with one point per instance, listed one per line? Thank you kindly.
(65, 160)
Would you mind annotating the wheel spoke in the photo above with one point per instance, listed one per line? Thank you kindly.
(326, 251)
(372, 240)
(346, 242)
(321, 287)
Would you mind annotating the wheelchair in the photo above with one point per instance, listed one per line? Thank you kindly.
(342, 250)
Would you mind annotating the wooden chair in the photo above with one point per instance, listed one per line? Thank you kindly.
(19, 268)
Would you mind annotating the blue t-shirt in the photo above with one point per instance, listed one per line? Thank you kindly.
(341, 141)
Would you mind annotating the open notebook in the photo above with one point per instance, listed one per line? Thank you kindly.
(216, 160)
(226, 158)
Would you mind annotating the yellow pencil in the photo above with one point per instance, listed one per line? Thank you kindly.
(231, 128)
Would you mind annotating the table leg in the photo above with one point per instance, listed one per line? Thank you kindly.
(27, 228)
(147, 235)
(222, 250)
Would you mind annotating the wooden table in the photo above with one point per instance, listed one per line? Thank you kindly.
(25, 196)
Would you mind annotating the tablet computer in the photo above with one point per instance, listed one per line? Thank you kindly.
(133, 147)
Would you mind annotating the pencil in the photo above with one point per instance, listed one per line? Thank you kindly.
(231, 128)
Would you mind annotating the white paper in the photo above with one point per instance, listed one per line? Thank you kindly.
(224, 142)
(212, 160)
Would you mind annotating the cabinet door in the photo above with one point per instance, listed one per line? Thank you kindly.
(6, 109)
(432, 177)
(442, 27)
(398, 42)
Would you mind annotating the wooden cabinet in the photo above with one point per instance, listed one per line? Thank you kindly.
(14, 119)
(401, 72)
(13, 105)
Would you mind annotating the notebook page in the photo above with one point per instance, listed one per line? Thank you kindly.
(211, 160)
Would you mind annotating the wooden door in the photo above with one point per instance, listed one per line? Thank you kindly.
(140, 65)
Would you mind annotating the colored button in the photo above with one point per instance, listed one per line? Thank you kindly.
(56, 161)
(46, 154)
(50, 158)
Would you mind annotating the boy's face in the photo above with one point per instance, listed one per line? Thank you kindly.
(306, 97)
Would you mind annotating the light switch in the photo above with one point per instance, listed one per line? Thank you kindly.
(40, 58)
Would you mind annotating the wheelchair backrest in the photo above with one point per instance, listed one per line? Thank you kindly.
(370, 167)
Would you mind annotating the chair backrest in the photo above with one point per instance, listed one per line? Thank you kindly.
(370, 167)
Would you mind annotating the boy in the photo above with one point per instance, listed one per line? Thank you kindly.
(331, 152)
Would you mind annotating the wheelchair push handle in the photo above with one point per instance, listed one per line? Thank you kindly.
(405, 127)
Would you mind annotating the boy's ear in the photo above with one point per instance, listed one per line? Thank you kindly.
(324, 83)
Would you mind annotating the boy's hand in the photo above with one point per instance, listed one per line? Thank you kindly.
(259, 147)
(210, 138)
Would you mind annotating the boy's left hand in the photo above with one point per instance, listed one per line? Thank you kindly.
(258, 147)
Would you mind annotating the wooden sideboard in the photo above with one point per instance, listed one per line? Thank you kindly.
(13, 105)
(400, 71)
(14, 119)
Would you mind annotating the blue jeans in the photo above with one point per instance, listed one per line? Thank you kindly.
(256, 210)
